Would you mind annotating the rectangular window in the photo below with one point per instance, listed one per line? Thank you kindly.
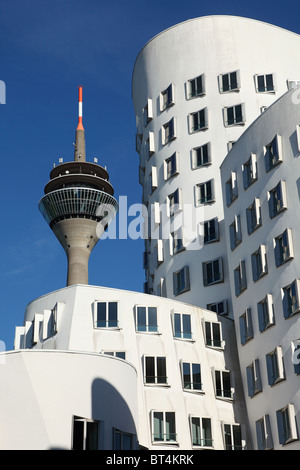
(229, 81)
(161, 290)
(264, 83)
(253, 214)
(235, 232)
(177, 241)
(234, 115)
(168, 131)
(250, 171)
(171, 166)
(107, 315)
(265, 310)
(264, 434)
(246, 328)
(277, 199)
(275, 366)
(211, 230)
(221, 308)
(213, 335)
(174, 202)
(149, 145)
(159, 253)
(119, 354)
(233, 437)
(198, 120)
(283, 247)
(182, 326)
(259, 263)
(122, 440)
(163, 426)
(223, 384)
(205, 193)
(201, 156)
(155, 370)
(167, 97)
(213, 272)
(148, 112)
(273, 153)
(240, 278)
(201, 432)
(231, 189)
(196, 86)
(296, 355)
(181, 280)
(146, 319)
(191, 376)
(290, 299)
(85, 434)
(286, 421)
(254, 378)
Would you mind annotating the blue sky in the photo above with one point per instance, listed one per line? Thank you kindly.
(47, 49)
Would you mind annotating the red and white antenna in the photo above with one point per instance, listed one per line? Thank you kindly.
(80, 126)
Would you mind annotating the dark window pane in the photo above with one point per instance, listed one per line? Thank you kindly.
(112, 314)
(161, 370)
(141, 318)
(78, 435)
(101, 314)
(150, 370)
(152, 319)
(92, 436)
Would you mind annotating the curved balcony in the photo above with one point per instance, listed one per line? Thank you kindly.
(78, 202)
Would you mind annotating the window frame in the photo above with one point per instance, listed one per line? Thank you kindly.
(265, 311)
(275, 366)
(231, 82)
(231, 188)
(264, 87)
(169, 93)
(283, 247)
(235, 232)
(156, 377)
(211, 274)
(193, 385)
(164, 427)
(168, 131)
(249, 170)
(254, 378)
(277, 199)
(198, 121)
(168, 174)
(207, 229)
(107, 315)
(201, 156)
(197, 437)
(238, 118)
(213, 334)
(183, 333)
(273, 153)
(85, 432)
(286, 422)
(240, 278)
(246, 326)
(205, 192)
(185, 286)
(259, 263)
(202, 90)
(253, 216)
(147, 325)
(264, 433)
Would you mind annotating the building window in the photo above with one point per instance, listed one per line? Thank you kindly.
(213, 335)
(265, 310)
(148, 112)
(233, 437)
(167, 97)
(168, 131)
(273, 153)
(259, 263)
(211, 231)
(277, 199)
(177, 241)
(146, 319)
(181, 280)
(213, 271)
(246, 328)
(191, 376)
(221, 308)
(174, 202)
(119, 354)
(182, 326)
(240, 279)
(290, 299)
(205, 193)
(85, 434)
(264, 434)
(196, 87)
(283, 247)
(155, 370)
(229, 81)
(287, 428)
(51, 324)
(250, 171)
(161, 290)
(199, 120)
(149, 145)
(201, 432)
(122, 440)
(201, 156)
(106, 315)
(223, 384)
(275, 366)
(163, 426)
(254, 378)
(296, 355)
(231, 189)
(253, 214)
(264, 83)
(159, 253)
(171, 166)
(234, 115)
(292, 84)
(235, 232)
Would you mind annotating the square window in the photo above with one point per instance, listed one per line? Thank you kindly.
(205, 193)
(231, 189)
(174, 202)
(106, 315)
(85, 434)
(265, 83)
(233, 437)
(201, 156)
(287, 428)
(221, 308)
(229, 81)
(146, 319)
(234, 115)
(182, 326)
(196, 87)
(198, 120)
(155, 370)
(213, 271)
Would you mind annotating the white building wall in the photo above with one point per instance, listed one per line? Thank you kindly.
(282, 119)
(77, 313)
(210, 46)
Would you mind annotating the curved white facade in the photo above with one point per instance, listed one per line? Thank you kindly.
(265, 251)
(188, 391)
(200, 84)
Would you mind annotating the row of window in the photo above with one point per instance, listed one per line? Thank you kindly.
(86, 433)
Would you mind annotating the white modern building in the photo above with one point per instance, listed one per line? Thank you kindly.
(196, 87)
(262, 228)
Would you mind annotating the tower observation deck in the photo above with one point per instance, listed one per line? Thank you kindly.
(78, 205)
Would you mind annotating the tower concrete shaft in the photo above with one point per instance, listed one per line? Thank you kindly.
(78, 205)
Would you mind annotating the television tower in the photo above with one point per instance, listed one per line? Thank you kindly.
(78, 205)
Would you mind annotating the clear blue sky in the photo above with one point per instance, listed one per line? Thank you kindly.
(48, 48)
